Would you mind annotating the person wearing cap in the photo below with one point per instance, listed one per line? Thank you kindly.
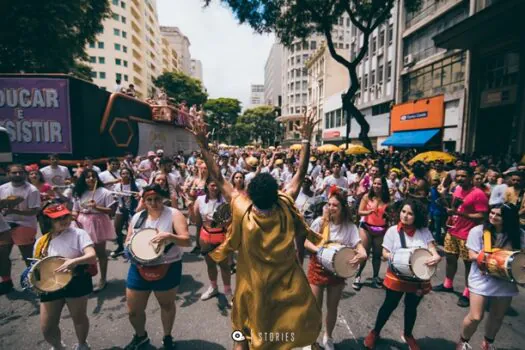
(252, 165)
(77, 249)
(164, 277)
(314, 168)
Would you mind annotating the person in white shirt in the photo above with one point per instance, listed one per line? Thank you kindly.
(111, 176)
(334, 179)
(303, 202)
(252, 165)
(55, 174)
(88, 164)
(118, 86)
(22, 219)
(147, 166)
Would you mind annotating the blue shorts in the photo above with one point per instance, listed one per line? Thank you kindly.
(170, 281)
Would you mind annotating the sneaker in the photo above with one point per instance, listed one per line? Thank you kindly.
(463, 345)
(138, 343)
(370, 340)
(485, 345)
(84, 346)
(463, 301)
(62, 347)
(357, 283)
(411, 342)
(6, 287)
(210, 293)
(442, 288)
(377, 283)
(167, 343)
(328, 342)
(229, 298)
(116, 253)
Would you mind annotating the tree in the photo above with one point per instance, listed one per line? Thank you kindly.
(181, 87)
(49, 36)
(299, 19)
(255, 123)
(221, 115)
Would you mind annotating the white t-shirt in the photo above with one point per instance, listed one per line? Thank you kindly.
(206, 210)
(106, 177)
(56, 176)
(248, 177)
(31, 197)
(103, 198)
(69, 244)
(345, 234)
(480, 283)
(331, 180)
(497, 195)
(421, 239)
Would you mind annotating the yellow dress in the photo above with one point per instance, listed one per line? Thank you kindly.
(272, 293)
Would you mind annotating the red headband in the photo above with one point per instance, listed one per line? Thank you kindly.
(148, 193)
(31, 167)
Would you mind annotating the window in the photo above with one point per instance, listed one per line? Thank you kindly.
(125, 63)
(124, 34)
(93, 74)
(92, 59)
(100, 44)
(389, 71)
(101, 60)
(348, 21)
(365, 82)
(118, 61)
(91, 45)
(381, 109)
(313, 45)
(372, 77)
(327, 121)
(380, 75)
(123, 19)
(305, 45)
(338, 121)
(123, 4)
(117, 47)
(390, 33)
(116, 31)
(374, 45)
(115, 16)
(119, 76)
(115, 2)
(125, 77)
(102, 75)
(382, 38)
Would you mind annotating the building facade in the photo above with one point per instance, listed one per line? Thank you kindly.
(170, 57)
(130, 48)
(426, 71)
(196, 70)
(272, 76)
(181, 43)
(256, 95)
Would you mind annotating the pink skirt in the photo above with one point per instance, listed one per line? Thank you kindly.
(99, 227)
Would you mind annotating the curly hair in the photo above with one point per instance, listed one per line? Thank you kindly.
(419, 210)
(263, 191)
(81, 186)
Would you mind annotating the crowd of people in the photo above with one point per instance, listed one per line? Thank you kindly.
(275, 207)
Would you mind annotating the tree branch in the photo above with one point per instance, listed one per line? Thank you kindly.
(333, 52)
(354, 20)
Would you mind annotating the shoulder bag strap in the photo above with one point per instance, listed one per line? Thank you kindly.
(403, 239)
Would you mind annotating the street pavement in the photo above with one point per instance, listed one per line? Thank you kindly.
(206, 325)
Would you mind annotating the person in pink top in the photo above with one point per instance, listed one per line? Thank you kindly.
(469, 208)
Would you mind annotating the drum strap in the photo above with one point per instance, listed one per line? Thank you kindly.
(487, 242)
(402, 238)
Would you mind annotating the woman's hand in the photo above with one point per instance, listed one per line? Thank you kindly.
(92, 204)
(433, 261)
(67, 266)
(162, 237)
(357, 259)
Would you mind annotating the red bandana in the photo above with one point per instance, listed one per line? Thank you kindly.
(410, 230)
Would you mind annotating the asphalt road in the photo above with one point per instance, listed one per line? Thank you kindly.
(206, 325)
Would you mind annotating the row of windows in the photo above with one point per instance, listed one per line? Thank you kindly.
(102, 75)
(312, 45)
(297, 98)
(297, 85)
(118, 47)
(118, 32)
(334, 119)
(100, 45)
(116, 17)
(376, 76)
(102, 60)
(117, 2)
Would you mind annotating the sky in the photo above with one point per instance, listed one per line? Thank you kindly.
(232, 55)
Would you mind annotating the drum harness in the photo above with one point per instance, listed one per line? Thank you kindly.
(403, 240)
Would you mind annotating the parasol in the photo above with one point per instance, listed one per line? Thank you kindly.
(328, 148)
(432, 156)
(296, 147)
(356, 149)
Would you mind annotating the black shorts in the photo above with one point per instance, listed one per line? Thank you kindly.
(81, 285)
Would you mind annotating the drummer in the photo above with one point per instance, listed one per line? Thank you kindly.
(335, 225)
(210, 237)
(172, 228)
(413, 224)
(503, 226)
(77, 248)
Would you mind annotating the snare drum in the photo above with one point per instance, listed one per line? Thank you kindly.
(334, 257)
(142, 251)
(410, 264)
(504, 264)
(41, 277)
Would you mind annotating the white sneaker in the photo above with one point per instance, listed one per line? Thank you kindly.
(62, 347)
(210, 293)
(81, 347)
(229, 298)
(328, 342)
(464, 346)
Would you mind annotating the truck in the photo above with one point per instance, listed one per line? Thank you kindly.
(57, 113)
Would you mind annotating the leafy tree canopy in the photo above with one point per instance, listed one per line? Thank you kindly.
(181, 87)
(49, 36)
(255, 123)
(221, 115)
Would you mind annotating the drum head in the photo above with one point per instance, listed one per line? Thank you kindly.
(517, 267)
(141, 247)
(342, 267)
(43, 277)
(419, 267)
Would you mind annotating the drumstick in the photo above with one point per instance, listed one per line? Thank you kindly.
(94, 190)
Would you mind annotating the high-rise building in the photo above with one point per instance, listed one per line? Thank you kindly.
(129, 49)
(272, 76)
(256, 95)
(196, 70)
(181, 44)
(170, 57)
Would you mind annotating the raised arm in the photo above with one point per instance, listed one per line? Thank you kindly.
(306, 130)
(200, 132)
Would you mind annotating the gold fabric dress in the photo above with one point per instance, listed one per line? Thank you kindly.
(272, 293)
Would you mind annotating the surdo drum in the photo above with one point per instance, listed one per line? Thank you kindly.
(41, 277)
(142, 251)
(504, 264)
(334, 257)
(410, 264)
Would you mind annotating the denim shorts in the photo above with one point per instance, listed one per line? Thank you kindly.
(170, 281)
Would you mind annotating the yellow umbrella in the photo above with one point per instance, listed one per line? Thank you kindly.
(432, 156)
(328, 148)
(271, 148)
(356, 149)
(223, 145)
(296, 147)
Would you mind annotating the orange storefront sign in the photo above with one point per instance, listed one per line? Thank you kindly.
(428, 113)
